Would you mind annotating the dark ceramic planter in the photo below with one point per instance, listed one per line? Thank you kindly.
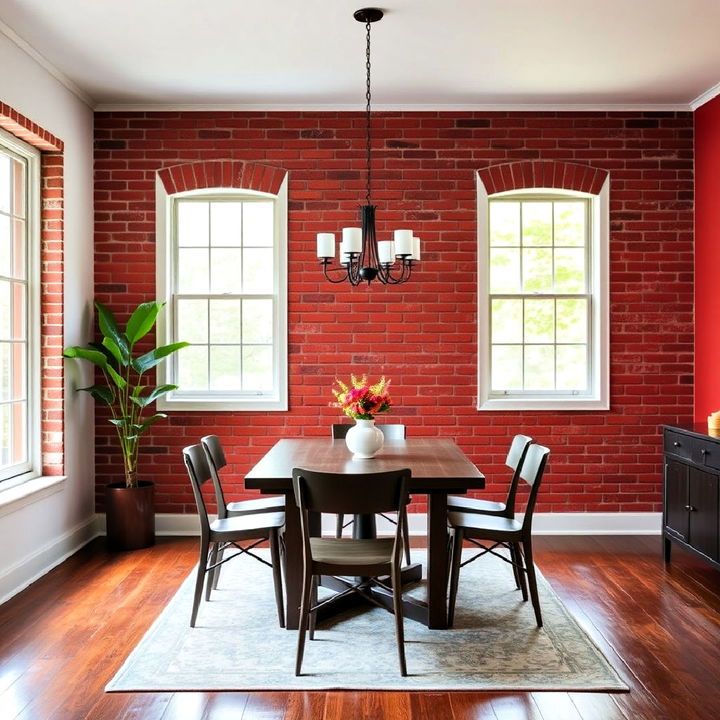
(130, 516)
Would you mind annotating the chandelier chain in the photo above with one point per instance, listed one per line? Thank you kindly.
(368, 138)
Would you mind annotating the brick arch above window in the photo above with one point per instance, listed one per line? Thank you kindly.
(222, 173)
(555, 174)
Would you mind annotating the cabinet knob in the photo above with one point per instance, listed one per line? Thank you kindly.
(676, 444)
(703, 451)
(689, 508)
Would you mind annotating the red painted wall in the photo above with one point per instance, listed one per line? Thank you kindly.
(707, 259)
(423, 334)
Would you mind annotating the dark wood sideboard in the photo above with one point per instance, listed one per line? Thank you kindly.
(691, 497)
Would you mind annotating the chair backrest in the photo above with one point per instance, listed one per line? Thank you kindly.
(362, 493)
(199, 472)
(216, 461)
(350, 494)
(514, 460)
(532, 472)
(393, 431)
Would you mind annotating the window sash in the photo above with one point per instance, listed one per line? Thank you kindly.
(556, 392)
(595, 295)
(274, 398)
(20, 411)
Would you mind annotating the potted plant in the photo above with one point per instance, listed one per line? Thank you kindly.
(129, 505)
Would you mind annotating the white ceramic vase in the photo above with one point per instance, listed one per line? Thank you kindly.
(364, 439)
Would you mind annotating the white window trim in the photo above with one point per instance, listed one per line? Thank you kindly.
(32, 468)
(216, 401)
(599, 398)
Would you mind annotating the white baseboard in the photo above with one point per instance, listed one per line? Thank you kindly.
(21, 574)
(543, 524)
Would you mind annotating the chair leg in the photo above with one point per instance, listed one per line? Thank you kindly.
(302, 629)
(532, 580)
(454, 572)
(216, 572)
(518, 567)
(212, 574)
(397, 609)
(513, 558)
(313, 602)
(406, 536)
(339, 525)
(277, 575)
(521, 570)
(202, 568)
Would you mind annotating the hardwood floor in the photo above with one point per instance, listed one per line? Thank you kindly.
(64, 637)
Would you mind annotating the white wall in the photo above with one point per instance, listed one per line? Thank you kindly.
(38, 532)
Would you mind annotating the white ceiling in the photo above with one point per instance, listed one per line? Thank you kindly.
(440, 54)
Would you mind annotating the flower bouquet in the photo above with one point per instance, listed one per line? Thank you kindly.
(362, 401)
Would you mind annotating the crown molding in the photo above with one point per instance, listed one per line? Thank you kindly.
(41, 60)
(705, 97)
(468, 107)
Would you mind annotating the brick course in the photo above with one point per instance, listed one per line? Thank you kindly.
(423, 334)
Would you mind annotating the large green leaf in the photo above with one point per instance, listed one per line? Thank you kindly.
(94, 356)
(119, 380)
(143, 427)
(154, 395)
(111, 346)
(109, 328)
(142, 320)
(101, 393)
(152, 358)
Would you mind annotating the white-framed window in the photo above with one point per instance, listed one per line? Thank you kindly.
(543, 300)
(19, 311)
(222, 268)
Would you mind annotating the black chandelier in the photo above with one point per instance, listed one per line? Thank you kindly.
(361, 257)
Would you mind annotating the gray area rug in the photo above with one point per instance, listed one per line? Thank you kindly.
(495, 644)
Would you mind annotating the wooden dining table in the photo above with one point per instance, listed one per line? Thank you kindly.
(439, 467)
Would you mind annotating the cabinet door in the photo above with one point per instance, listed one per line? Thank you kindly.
(676, 498)
(703, 501)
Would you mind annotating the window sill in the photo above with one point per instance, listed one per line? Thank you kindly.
(29, 492)
(544, 404)
(204, 404)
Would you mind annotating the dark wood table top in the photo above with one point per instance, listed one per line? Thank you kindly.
(437, 464)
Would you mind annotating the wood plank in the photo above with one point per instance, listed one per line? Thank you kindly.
(63, 638)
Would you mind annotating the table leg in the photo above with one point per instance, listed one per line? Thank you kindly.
(437, 560)
(293, 563)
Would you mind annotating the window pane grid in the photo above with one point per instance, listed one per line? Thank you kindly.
(552, 356)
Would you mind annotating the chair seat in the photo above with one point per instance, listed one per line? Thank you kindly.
(349, 552)
(472, 523)
(247, 523)
(248, 507)
(458, 503)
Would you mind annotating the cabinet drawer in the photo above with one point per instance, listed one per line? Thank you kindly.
(706, 452)
(678, 444)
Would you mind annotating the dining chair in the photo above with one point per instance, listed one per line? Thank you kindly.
(356, 563)
(514, 460)
(216, 460)
(505, 532)
(230, 531)
(391, 431)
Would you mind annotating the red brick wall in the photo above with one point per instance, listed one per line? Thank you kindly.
(423, 334)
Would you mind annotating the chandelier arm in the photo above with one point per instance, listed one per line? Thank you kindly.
(326, 270)
(406, 271)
